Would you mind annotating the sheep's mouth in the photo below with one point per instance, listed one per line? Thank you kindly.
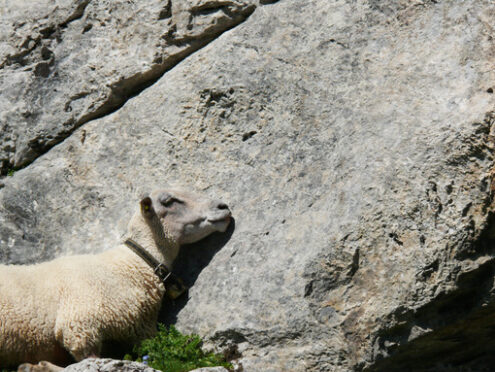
(222, 223)
(222, 219)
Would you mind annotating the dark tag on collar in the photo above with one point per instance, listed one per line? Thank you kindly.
(174, 286)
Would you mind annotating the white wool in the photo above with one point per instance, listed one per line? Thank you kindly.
(76, 302)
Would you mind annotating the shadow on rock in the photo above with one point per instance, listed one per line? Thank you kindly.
(192, 259)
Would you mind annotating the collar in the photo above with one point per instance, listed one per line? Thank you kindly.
(174, 286)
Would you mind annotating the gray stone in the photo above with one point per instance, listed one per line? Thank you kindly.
(353, 142)
(108, 365)
(111, 365)
(65, 62)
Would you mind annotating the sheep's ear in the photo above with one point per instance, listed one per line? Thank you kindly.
(147, 207)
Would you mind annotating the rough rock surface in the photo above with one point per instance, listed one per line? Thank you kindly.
(354, 141)
(65, 62)
(110, 365)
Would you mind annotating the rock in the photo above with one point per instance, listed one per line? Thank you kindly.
(65, 62)
(111, 365)
(108, 365)
(354, 143)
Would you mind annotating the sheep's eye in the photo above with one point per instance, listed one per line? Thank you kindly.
(171, 201)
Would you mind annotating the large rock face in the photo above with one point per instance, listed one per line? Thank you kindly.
(354, 143)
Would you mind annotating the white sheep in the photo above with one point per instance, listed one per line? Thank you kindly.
(65, 309)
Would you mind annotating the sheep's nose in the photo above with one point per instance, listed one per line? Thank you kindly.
(221, 205)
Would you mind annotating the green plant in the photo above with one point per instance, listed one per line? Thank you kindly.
(10, 173)
(171, 351)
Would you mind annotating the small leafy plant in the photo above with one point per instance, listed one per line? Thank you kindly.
(171, 351)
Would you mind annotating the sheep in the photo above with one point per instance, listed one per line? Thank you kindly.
(63, 310)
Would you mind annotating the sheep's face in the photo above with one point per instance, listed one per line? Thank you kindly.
(184, 216)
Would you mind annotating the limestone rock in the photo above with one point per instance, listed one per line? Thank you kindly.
(108, 365)
(353, 141)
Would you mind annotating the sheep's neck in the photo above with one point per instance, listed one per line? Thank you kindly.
(164, 253)
(157, 243)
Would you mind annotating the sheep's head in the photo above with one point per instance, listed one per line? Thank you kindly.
(183, 216)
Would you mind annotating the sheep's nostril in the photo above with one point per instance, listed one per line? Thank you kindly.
(222, 206)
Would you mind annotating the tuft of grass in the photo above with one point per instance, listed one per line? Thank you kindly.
(171, 351)
(10, 173)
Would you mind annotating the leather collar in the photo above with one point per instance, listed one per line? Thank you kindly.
(174, 286)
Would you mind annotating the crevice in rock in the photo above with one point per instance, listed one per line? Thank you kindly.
(211, 7)
(166, 11)
(127, 88)
(77, 14)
